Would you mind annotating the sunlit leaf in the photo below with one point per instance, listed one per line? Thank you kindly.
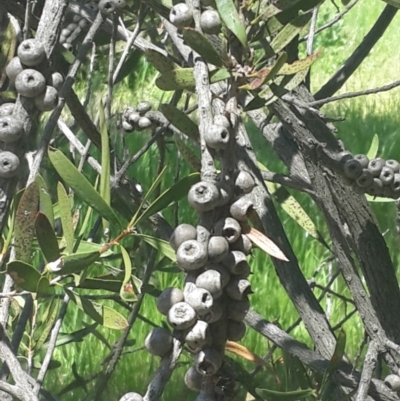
(45, 202)
(127, 292)
(66, 217)
(159, 61)
(73, 263)
(46, 324)
(373, 149)
(299, 65)
(272, 395)
(25, 276)
(244, 353)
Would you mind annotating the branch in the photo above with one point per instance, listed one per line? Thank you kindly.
(367, 372)
(289, 182)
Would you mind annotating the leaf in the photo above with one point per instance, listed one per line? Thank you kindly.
(81, 186)
(373, 149)
(47, 238)
(230, 17)
(74, 263)
(264, 243)
(66, 218)
(101, 314)
(97, 283)
(74, 337)
(24, 275)
(244, 352)
(45, 202)
(299, 65)
(187, 154)
(200, 44)
(24, 229)
(159, 61)
(127, 66)
(180, 120)
(127, 291)
(8, 43)
(162, 246)
(254, 104)
(378, 199)
(273, 395)
(276, 8)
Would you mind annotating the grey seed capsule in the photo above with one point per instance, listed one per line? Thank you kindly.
(143, 107)
(220, 119)
(365, 179)
(83, 23)
(182, 233)
(387, 175)
(126, 126)
(193, 379)
(203, 396)
(393, 164)
(144, 123)
(211, 280)
(243, 244)
(56, 80)
(343, 157)
(203, 196)
(236, 262)
(169, 297)
(208, 361)
(159, 341)
(395, 186)
(72, 26)
(217, 137)
(238, 289)
(133, 117)
(47, 100)
(30, 83)
(76, 18)
(357, 189)
(198, 336)
(225, 192)
(200, 300)
(375, 189)
(393, 382)
(362, 159)
(14, 67)
(6, 109)
(180, 15)
(65, 33)
(229, 228)
(210, 22)
(74, 35)
(108, 7)
(181, 316)
(225, 276)
(352, 169)
(131, 396)
(31, 52)
(215, 312)
(11, 129)
(235, 330)
(9, 164)
(387, 191)
(237, 310)
(191, 255)
(240, 208)
(218, 248)
(375, 166)
(244, 182)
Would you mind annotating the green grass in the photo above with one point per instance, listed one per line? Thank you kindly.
(364, 117)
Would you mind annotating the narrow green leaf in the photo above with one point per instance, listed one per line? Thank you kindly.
(373, 149)
(299, 65)
(255, 104)
(66, 217)
(24, 275)
(127, 265)
(191, 158)
(162, 246)
(74, 337)
(128, 292)
(378, 199)
(273, 395)
(230, 16)
(8, 44)
(75, 262)
(46, 324)
(24, 229)
(97, 283)
(159, 61)
(45, 202)
(47, 238)
(81, 186)
(128, 65)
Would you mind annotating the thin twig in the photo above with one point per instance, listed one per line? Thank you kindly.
(28, 12)
(90, 76)
(367, 372)
(310, 38)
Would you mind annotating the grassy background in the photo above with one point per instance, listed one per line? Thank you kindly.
(364, 117)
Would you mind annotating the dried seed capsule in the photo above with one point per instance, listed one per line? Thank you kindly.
(225, 276)
(211, 280)
(352, 169)
(210, 22)
(180, 15)
(6, 109)
(159, 341)
(387, 191)
(181, 316)
(225, 192)
(193, 379)
(191, 255)
(217, 137)
(240, 208)
(108, 7)
(375, 189)
(237, 310)
(375, 166)
(393, 382)
(11, 129)
(220, 119)
(393, 164)
(126, 126)
(362, 159)
(200, 300)
(72, 26)
(229, 228)
(357, 189)
(203, 396)
(198, 336)
(144, 123)
(235, 330)
(365, 179)
(238, 289)
(395, 186)
(74, 35)
(244, 182)
(236, 262)
(215, 312)
(218, 248)
(182, 233)
(243, 244)
(9, 163)
(131, 396)
(343, 157)
(65, 32)
(31, 52)
(208, 361)
(203, 196)
(133, 117)
(170, 296)
(30, 83)
(56, 80)
(143, 107)
(387, 175)
(14, 67)
(47, 100)
(83, 23)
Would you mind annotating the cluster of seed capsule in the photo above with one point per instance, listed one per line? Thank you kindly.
(139, 118)
(181, 16)
(376, 177)
(214, 301)
(73, 29)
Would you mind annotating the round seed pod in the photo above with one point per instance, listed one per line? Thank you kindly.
(393, 164)
(65, 32)
(191, 255)
(14, 67)
(203, 196)
(218, 248)
(67, 46)
(31, 52)
(220, 119)
(181, 316)
(189, 287)
(72, 26)
(343, 157)
(74, 35)
(193, 379)
(236, 262)
(395, 186)
(159, 341)
(47, 100)
(11, 129)
(30, 83)
(9, 164)
(182, 233)
(386, 176)
(362, 159)
(244, 182)
(243, 244)
(143, 107)
(229, 228)
(393, 382)
(83, 23)
(352, 169)
(238, 289)
(375, 189)
(235, 330)
(208, 361)
(133, 117)
(365, 179)
(357, 189)
(240, 208)
(200, 300)
(387, 191)
(210, 22)
(211, 280)
(375, 166)
(225, 192)
(144, 123)
(215, 313)
(131, 396)
(6, 109)
(56, 80)
(217, 137)
(126, 126)
(181, 15)
(169, 297)
(109, 7)
(237, 310)
(225, 276)
(198, 336)
(203, 396)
